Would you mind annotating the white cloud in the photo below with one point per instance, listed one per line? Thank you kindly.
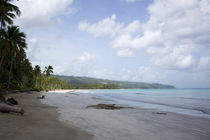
(179, 57)
(172, 36)
(39, 12)
(127, 41)
(125, 52)
(83, 65)
(203, 64)
(121, 35)
(184, 25)
(33, 49)
(107, 26)
(85, 58)
(147, 74)
(205, 6)
(133, 27)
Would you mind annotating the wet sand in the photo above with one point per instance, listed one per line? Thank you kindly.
(40, 122)
(127, 124)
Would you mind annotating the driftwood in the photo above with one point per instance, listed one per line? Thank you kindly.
(107, 106)
(2, 98)
(6, 108)
(11, 101)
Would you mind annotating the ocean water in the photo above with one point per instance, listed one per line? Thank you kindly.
(194, 102)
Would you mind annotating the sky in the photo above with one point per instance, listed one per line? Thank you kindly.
(156, 41)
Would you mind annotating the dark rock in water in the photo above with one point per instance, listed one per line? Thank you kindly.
(159, 113)
(107, 106)
(139, 93)
(42, 97)
(11, 101)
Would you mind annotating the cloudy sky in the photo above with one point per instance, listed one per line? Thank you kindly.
(164, 41)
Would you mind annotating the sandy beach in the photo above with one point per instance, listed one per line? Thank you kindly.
(126, 124)
(63, 116)
(40, 122)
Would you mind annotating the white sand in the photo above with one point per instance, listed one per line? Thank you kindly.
(61, 90)
(126, 124)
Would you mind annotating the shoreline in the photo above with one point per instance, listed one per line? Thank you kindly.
(159, 106)
(124, 124)
(40, 121)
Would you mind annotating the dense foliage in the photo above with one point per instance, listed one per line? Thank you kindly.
(16, 71)
(90, 86)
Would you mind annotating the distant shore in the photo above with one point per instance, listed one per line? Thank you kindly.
(40, 122)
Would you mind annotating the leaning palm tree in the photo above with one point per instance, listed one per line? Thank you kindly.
(8, 12)
(14, 44)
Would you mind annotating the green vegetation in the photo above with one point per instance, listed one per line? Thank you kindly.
(80, 82)
(90, 86)
(16, 71)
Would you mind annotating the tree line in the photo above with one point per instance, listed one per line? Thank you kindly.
(16, 71)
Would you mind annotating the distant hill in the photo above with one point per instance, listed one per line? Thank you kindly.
(122, 84)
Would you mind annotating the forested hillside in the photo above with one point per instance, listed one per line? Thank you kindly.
(73, 80)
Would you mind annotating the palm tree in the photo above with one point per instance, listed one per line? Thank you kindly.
(48, 70)
(14, 44)
(8, 12)
(37, 73)
(37, 70)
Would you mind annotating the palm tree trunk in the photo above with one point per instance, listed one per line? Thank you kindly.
(2, 56)
(1, 62)
(1, 65)
(10, 71)
(8, 85)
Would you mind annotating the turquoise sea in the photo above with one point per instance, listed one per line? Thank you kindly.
(194, 102)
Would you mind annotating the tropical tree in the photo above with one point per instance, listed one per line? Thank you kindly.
(48, 70)
(37, 70)
(16, 71)
(37, 73)
(28, 78)
(8, 12)
(14, 44)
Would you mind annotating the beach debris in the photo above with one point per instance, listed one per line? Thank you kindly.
(160, 113)
(6, 108)
(41, 97)
(2, 98)
(11, 101)
(106, 106)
